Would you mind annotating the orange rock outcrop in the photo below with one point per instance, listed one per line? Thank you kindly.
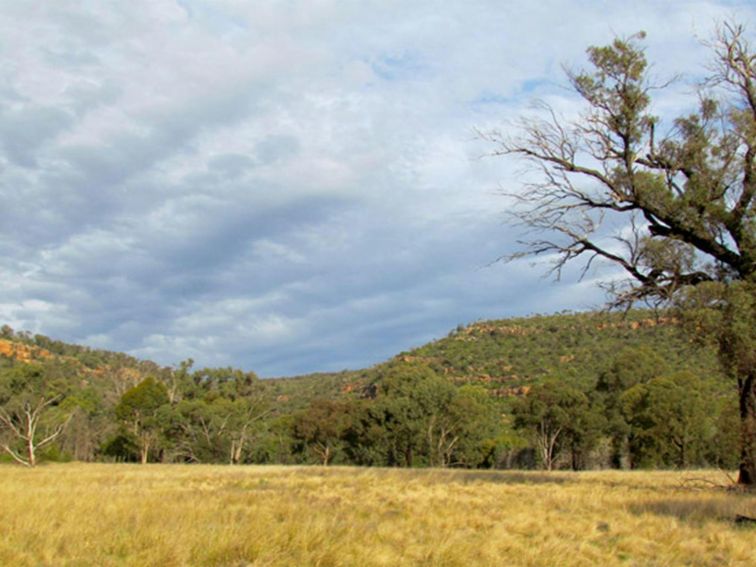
(21, 351)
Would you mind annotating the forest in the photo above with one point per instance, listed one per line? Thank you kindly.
(568, 391)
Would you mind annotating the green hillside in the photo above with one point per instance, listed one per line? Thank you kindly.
(501, 355)
(458, 401)
(506, 354)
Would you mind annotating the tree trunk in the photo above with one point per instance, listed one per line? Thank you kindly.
(576, 460)
(238, 451)
(30, 427)
(615, 460)
(545, 457)
(144, 452)
(547, 452)
(548, 440)
(747, 398)
(30, 452)
(408, 456)
(235, 454)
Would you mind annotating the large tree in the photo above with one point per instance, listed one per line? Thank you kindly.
(557, 416)
(672, 206)
(412, 401)
(670, 420)
(140, 411)
(629, 368)
(321, 427)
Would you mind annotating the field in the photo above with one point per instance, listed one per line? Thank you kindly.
(99, 514)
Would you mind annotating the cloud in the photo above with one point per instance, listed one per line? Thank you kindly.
(286, 186)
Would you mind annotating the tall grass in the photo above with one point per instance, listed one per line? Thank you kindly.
(97, 514)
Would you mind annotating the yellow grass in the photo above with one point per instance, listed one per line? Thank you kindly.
(97, 514)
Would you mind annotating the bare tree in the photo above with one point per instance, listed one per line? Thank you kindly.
(30, 419)
(24, 425)
(243, 415)
(675, 211)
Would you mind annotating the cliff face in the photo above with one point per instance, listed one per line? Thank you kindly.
(107, 372)
(22, 352)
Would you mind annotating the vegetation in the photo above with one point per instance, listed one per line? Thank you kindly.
(557, 415)
(99, 514)
(680, 205)
(568, 391)
(28, 399)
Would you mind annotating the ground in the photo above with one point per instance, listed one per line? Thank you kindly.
(100, 514)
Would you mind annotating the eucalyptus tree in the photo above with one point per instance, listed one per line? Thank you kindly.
(31, 416)
(556, 416)
(632, 366)
(139, 410)
(322, 426)
(672, 207)
(671, 420)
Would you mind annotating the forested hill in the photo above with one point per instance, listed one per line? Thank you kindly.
(505, 356)
(458, 401)
(101, 369)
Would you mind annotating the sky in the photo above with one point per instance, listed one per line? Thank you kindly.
(294, 186)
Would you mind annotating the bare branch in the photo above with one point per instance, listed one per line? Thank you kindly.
(16, 457)
(55, 434)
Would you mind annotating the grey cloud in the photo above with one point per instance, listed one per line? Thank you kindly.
(87, 95)
(230, 165)
(23, 131)
(275, 148)
(282, 189)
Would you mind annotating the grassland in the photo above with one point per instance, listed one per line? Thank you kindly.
(99, 514)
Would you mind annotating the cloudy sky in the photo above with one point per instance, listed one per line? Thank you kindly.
(286, 186)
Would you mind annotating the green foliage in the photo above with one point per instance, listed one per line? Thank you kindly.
(123, 447)
(469, 434)
(32, 415)
(418, 417)
(411, 398)
(140, 411)
(195, 429)
(449, 403)
(141, 403)
(632, 367)
(670, 420)
(321, 429)
(22, 383)
(557, 416)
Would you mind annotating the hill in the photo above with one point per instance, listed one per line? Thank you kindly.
(389, 414)
(511, 354)
(506, 356)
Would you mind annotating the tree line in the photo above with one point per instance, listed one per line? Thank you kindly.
(636, 412)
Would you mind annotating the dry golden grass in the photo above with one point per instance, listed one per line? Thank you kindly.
(97, 514)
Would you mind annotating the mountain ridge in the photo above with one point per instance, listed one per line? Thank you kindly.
(506, 356)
